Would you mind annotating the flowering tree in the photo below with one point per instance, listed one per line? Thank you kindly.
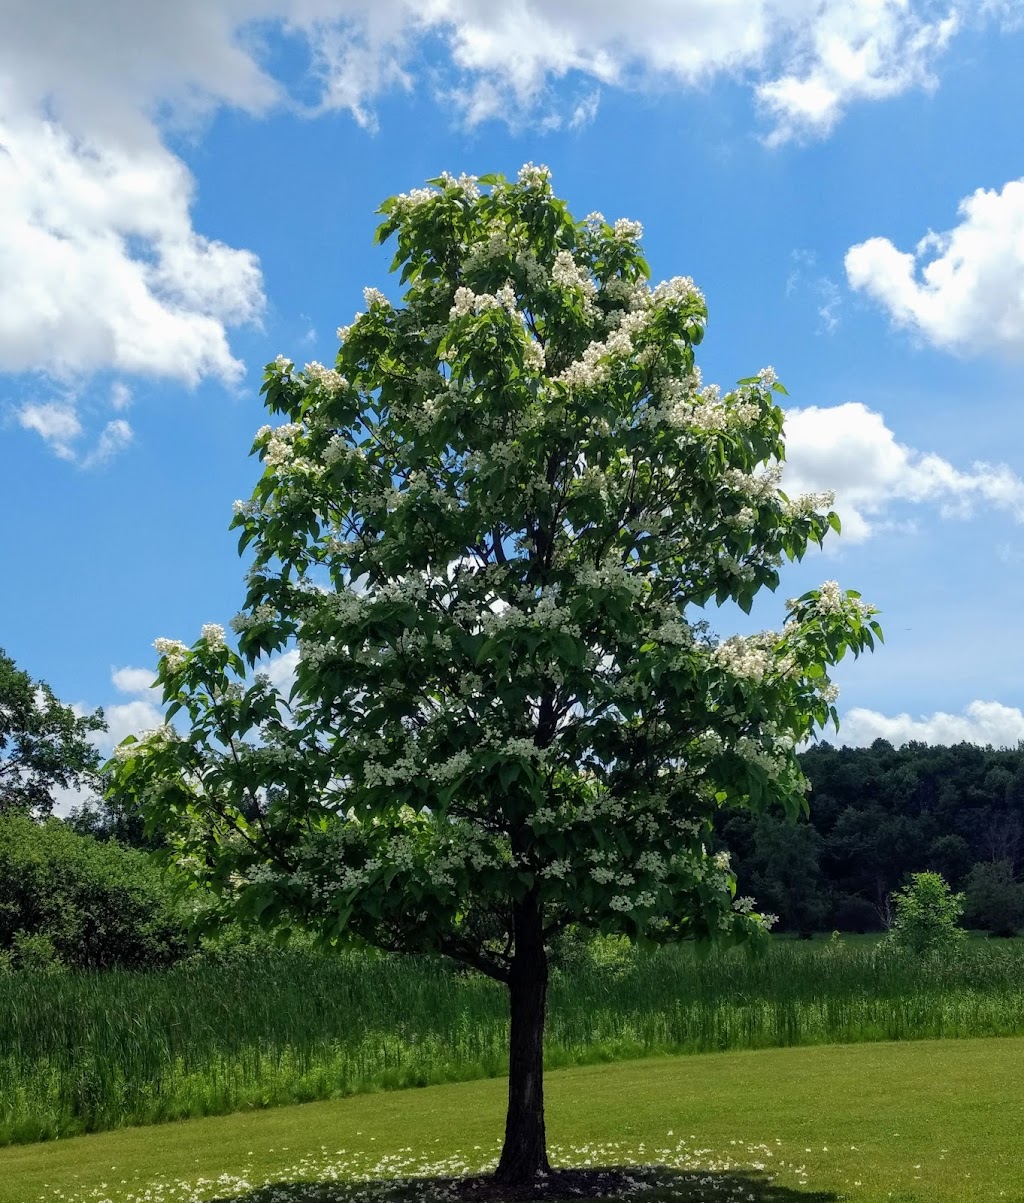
(486, 529)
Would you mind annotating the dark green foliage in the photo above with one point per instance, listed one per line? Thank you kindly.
(67, 900)
(995, 899)
(784, 872)
(113, 817)
(44, 746)
(878, 815)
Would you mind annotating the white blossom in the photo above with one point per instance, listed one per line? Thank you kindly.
(627, 230)
(534, 176)
(173, 652)
(213, 636)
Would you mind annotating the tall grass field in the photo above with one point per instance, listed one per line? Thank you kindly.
(86, 1052)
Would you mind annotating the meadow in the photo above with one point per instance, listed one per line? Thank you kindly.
(84, 1052)
(916, 1122)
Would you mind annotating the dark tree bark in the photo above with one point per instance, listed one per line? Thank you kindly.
(525, 1155)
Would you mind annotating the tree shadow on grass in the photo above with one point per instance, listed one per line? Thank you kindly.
(645, 1184)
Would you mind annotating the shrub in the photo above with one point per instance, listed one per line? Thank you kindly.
(68, 900)
(925, 915)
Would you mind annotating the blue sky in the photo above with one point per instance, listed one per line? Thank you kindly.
(187, 191)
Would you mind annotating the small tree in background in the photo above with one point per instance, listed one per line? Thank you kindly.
(44, 745)
(487, 528)
(994, 898)
(926, 914)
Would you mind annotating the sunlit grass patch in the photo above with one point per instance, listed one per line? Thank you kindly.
(923, 1122)
(83, 1053)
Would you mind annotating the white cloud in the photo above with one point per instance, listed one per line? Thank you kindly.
(114, 438)
(281, 670)
(102, 267)
(56, 422)
(128, 718)
(120, 396)
(848, 448)
(142, 713)
(962, 290)
(978, 723)
(870, 50)
(59, 425)
(135, 680)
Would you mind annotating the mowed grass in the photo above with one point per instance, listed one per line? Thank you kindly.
(89, 1052)
(925, 1122)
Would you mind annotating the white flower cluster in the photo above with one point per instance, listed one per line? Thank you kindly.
(753, 752)
(374, 296)
(593, 367)
(767, 377)
(628, 231)
(830, 598)
(750, 657)
(482, 254)
(279, 449)
(213, 636)
(414, 198)
(533, 356)
(246, 508)
(328, 379)
(677, 291)
(155, 736)
(732, 567)
(567, 273)
(808, 503)
(261, 614)
(173, 652)
(755, 486)
(337, 448)
(464, 184)
(534, 176)
(466, 301)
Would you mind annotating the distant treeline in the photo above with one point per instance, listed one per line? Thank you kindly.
(877, 815)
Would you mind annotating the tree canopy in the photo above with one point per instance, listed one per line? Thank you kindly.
(44, 745)
(488, 531)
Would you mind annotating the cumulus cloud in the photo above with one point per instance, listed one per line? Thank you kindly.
(849, 449)
(102, 265)
(141, 713)
(961, 290)
(135, 680)
(978, 723)
(850, 52)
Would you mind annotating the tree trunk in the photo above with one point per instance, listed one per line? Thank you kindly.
(525, 1155)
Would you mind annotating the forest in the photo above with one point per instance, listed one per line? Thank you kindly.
(878, 814)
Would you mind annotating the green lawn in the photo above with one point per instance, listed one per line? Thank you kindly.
(921, 1122)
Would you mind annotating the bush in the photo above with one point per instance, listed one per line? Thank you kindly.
(925, 915)
(995, 900)
(68, 900)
